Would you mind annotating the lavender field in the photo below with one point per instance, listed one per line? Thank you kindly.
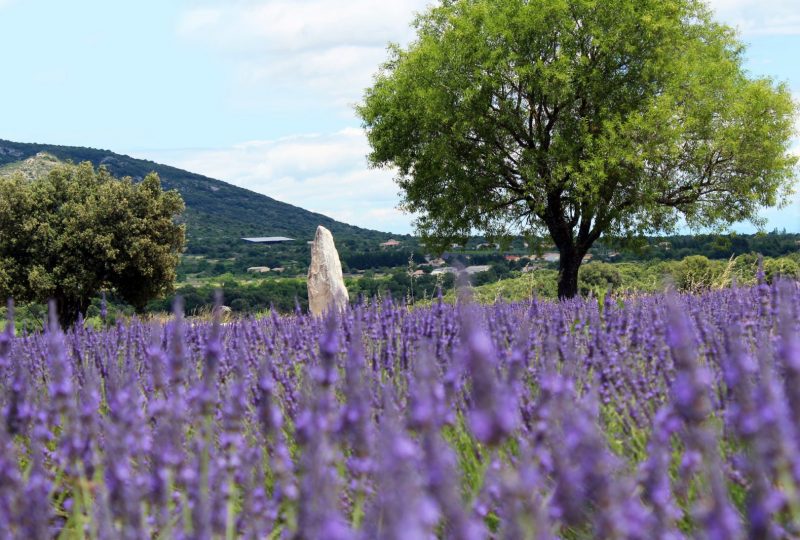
(659, 417)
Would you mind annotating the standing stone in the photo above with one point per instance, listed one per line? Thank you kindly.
(326, 288)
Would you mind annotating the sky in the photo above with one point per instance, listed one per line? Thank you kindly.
(259, 93)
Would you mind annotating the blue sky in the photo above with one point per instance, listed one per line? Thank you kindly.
(258, 93)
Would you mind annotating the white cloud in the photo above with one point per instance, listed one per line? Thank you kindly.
(326, 48)
(337, 75)
(760, 17)
(322, 173)
(293, 25)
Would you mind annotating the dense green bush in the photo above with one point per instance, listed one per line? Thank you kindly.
(281, 294)
(783, 267)
(598, 277)
(697, 273)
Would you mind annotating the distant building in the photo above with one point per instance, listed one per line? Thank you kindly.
(444, 270)
(470, 270)
(258, 269)
(487, 246)
(417, 273)
(512, 258)
(550, 256)
(278, 269)
(390, 243)
(437, 262)
(268, 240)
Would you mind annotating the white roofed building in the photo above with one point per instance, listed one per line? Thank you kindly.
(268, 239)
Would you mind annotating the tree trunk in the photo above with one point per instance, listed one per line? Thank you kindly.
(569, 263)
(571, 247)
(68, 310)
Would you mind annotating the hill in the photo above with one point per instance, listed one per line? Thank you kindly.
(217, 214)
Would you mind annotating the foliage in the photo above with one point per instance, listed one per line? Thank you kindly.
(286, 295)
(78, 230)
(631, 279)
(599, 277)
(784, 267)
(577, 118)
(696, 273)
(374, 259)
(653, 417)
(713, 246)
(283, 295)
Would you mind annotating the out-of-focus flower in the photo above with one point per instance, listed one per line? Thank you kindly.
(494, 414)
(401, 509)
(690, 398)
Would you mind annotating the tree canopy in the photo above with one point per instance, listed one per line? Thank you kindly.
(78, 230)
(579, 118)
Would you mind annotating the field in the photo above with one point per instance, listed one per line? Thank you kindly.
(661, 416)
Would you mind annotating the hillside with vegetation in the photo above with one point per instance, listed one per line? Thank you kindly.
(217, 214)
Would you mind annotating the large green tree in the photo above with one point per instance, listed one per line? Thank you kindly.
(78, 230)
(578, 118)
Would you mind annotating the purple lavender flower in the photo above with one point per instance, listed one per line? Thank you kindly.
(691, 401)
(60, 387)
(319, 515)
(494, 413)
(35, 511)
(400, 509)
(355, 420)
(655, 481)
(353, 426)
(103, 308)
(11, 483)
(7, 336)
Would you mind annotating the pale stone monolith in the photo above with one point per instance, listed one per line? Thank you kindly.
(326, 288)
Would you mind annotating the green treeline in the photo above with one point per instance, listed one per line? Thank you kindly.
(713, 246)
(695, 273)
(286, 294)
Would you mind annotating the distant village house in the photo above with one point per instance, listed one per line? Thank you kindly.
(550, 256)
(268, 240)
(554, 256)
(471, 270)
